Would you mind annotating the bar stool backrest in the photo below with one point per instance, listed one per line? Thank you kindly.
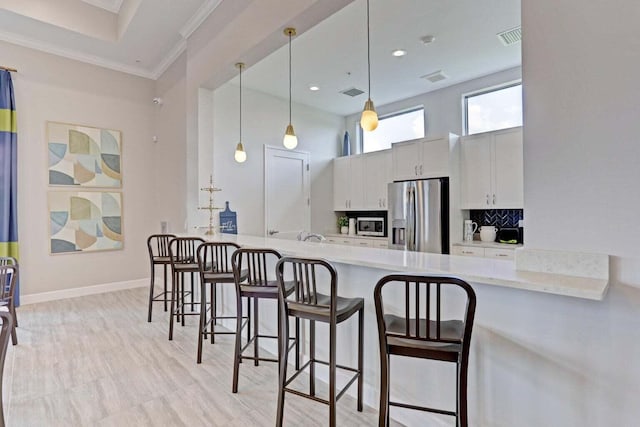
(182, 250)
(8, 260)
(8, 280)
(305, 279)
(215, 257)
(255, 261)
(158, 245)
(422, 300)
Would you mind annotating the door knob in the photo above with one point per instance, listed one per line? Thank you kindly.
(272, 232)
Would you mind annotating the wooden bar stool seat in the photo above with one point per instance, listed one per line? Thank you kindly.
(305, 302)
(417, 329)
(256, 285)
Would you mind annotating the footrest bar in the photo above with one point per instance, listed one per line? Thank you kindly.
(422, 408)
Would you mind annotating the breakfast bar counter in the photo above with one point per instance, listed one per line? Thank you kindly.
(522, 319)
(478, 270)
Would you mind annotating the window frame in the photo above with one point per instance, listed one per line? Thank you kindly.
(490, 89)
(390, 115)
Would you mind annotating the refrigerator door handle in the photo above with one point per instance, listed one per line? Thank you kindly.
(411, 219)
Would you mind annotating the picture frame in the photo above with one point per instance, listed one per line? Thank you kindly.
(84, 156)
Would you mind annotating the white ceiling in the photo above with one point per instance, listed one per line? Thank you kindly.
(141, 37)
(333, 55)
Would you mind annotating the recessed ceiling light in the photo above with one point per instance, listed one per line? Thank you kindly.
(428, 39)
(399, 52)
(314, 88)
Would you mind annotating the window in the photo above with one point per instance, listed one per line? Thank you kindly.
(394, 128)
(493, 109)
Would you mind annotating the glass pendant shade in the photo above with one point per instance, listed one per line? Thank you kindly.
(290, 139)
(240, 156)
(369, 118)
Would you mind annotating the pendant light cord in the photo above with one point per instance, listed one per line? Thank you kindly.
(368, 51)
(240, 102)
(289, 77)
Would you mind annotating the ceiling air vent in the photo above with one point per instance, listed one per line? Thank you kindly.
(435, 77)
(352, 92)
(512, 36)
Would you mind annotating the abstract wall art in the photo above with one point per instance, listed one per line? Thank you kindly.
(84, 156)
(85, 221)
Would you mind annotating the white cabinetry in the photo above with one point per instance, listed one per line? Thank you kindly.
(348, 183)
(360, 182)
(492, 170)
(364, 242)
(477, 251)
(421, 159)
(377, 175)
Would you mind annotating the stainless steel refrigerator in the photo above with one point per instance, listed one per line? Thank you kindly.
(419, 215)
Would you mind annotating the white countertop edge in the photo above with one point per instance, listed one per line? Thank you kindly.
(485, 271)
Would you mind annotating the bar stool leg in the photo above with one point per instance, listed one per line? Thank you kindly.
(462, 394)
(383, 416)
(174, 295)
(283, 359)
(165, 287)
(255, 331)
(360, 357)
(237, 355)
(214, 306)
(249, 318)
(312, 356)
(192, 293)
(297, 344)
(332, 374)
(153, 277)
(182, 298)
(202, 329)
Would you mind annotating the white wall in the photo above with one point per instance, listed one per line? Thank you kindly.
(50, 88)
(443, 107)
(264, 120)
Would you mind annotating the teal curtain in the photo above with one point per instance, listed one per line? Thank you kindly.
(8, 172)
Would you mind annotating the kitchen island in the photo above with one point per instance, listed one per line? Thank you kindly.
(519, 339)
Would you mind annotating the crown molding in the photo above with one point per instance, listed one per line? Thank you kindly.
(173, 54)
(72, 54)
(198, 18)
(112, 6)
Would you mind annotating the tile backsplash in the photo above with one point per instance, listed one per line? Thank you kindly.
(497, 217)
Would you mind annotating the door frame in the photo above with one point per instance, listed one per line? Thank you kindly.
(307, 177)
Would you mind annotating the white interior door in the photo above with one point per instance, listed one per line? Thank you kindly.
(287, 192)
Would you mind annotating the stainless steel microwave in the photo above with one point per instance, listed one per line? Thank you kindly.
(373, 226)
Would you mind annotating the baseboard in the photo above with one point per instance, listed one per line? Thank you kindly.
(82, 291)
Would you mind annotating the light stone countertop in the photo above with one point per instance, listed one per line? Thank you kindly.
(487, 271)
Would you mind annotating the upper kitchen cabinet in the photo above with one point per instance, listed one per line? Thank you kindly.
(377, 173)
(360, 182)
(348, 183)
(422, 158)
(492, 170)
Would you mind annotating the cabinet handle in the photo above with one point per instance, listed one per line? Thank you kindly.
(415, 169)
(420, 169)
(379, 203)
(384, 203)
(487, 199)
(467, 252)
(502, 255)
(364, 243)
(494, 199)
(346, 203)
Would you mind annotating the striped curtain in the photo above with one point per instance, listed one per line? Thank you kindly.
(8, 171)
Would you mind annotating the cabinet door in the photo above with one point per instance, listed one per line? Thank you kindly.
(475, 165)
(434, 161)
(356, 183)
(508, 185)
(406, 158)
(341, 183)
(377, 174)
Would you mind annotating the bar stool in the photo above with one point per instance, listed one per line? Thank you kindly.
(182, 253)
(256, 284)
(214, 260)
(307, 303)
(8, 280)
(158, 245)
(421, 333)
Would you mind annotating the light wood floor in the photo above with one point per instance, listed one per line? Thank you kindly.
(96, 361)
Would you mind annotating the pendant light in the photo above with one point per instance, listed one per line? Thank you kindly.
(290, 139)
(240, 154)
(369, 119)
